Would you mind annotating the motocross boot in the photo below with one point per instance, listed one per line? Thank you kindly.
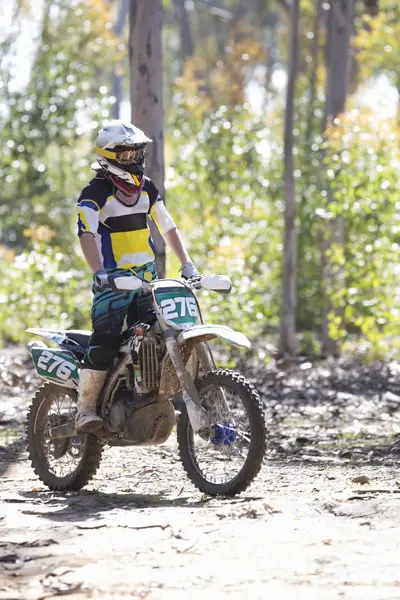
(90, 383)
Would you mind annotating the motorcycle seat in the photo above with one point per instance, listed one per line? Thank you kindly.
(80, 337)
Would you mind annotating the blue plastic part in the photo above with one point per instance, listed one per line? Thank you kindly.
(223, 434)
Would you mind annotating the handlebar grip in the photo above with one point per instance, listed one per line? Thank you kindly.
(216, 283)
(127, 283)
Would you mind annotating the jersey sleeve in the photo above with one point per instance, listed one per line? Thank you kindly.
(157, 211)
(91, 200)
(161, 217)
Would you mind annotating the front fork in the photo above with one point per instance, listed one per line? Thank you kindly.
(196, 413)
(206, 358)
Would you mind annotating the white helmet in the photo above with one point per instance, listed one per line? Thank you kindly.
(122, 154)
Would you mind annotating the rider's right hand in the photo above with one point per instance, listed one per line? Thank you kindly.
(103, 282)
(100, 281)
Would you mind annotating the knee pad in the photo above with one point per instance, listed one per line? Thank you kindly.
(102, 350)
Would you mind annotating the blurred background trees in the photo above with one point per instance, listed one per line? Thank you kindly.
(65, 70)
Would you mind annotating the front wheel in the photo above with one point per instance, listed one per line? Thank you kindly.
(229, 459)
(63, 463)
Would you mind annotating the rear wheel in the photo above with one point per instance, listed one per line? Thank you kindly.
(229, 459)
(64, 463)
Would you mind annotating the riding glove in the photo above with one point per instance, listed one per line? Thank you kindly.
(103, 281)
(188, 271)
(100, 281)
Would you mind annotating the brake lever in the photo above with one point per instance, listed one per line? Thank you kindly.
(194, 282)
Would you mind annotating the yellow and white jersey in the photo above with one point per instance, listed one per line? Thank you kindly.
(121, 231)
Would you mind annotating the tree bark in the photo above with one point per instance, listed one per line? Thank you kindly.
(340, 27)
(185, 29)
(273, 22)
(314, 72)
(117, 79)
(239, 12)
(287, 341)
(146, 91)
(372, 7)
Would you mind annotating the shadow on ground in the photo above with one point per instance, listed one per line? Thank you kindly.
(85, 505)
(9, 454)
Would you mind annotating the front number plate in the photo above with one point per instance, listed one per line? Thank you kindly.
(178, 307)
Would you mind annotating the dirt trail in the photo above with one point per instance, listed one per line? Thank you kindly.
(303, 530)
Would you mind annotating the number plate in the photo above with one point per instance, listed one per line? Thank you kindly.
(56, 365)
(178, 306)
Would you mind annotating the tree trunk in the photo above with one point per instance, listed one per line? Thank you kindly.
(340, 26)
(117, 79)
(239, 12)
(273, 23)
(287, 341)
(146, 69)
(314, 72)
(185, 29)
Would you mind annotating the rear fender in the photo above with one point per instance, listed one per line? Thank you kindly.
(59, 336)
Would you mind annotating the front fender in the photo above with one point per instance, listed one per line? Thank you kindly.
(235, 338)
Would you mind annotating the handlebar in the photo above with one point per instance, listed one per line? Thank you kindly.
(215, 283)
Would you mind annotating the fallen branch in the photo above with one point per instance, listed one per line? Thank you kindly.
(136, 527)
(377, 491)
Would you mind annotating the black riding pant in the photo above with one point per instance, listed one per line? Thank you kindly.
(110, 312)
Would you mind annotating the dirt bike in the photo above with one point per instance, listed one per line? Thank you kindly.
(164, 376)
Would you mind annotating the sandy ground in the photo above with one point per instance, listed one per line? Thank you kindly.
(320, 521)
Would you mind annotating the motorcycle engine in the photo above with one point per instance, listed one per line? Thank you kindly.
(141, 419)
(125, 402)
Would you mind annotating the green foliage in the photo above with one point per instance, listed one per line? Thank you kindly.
(225, 173)
(308, 345)
(363, 159)
(44, 287)
(46, 126)
(378, 43)
(46, 140)
(231, 210)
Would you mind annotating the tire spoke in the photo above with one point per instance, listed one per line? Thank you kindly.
(61, 463)
(229, 460)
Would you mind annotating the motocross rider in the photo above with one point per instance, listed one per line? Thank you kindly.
(116, 241)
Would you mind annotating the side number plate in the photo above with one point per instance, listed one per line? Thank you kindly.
(55, 365)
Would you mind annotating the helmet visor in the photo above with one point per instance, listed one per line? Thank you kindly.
(125, 156)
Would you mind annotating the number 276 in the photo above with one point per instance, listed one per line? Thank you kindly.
(185, 305)
(64, 370)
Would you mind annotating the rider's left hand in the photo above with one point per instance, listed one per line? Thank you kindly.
(189, 271)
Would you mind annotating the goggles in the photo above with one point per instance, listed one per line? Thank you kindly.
(129, 156)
